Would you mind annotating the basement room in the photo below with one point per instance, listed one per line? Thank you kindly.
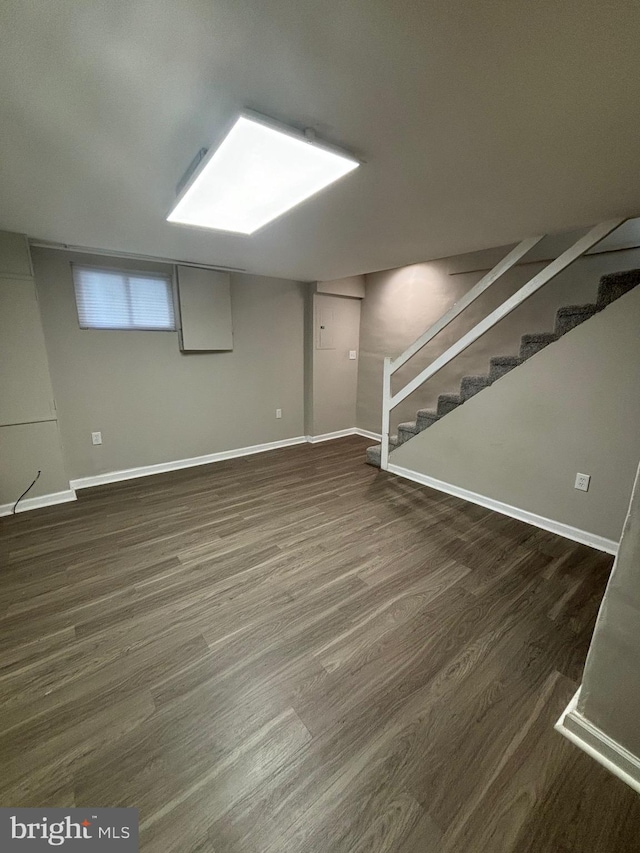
(319, 446)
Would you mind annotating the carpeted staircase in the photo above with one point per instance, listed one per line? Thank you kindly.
(611, 287)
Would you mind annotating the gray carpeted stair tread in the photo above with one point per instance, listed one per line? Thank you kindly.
(407, 431)
(499, 365)
(447, 403)
(426, 418)
(373, 455)
(610, 288)
(470, 385)
(409, 426)
(374, 452)
(570, 316)
(614, 285)
(531, 344)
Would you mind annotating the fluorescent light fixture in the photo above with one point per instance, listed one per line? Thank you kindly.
(258, 172)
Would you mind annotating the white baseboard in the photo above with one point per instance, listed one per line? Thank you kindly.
(177, 464)
(329, 436)
(43, 500)
(365, 433)
(592, 740)
(609, 546)
(342, 433)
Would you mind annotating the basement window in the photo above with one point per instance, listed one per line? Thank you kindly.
(121, 299)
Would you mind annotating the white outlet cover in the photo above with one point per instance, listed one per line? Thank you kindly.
(582, 482)
(96, 438)
(352, 354)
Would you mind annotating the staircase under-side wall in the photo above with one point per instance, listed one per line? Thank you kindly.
(611, 287)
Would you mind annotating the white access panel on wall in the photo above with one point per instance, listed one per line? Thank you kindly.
(204, 297)
(325, 320)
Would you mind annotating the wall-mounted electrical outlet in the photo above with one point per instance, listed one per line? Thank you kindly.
(582, 482)
(96, 438)
(278, 413)
(352, 354)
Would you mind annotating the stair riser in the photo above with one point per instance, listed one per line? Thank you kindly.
(373, 456)
(404, 435)
(469, 389)
(425, 423)
(532, 347)
(374, 453)
(497, 372)
(610, 295)
(501, 365)
(445, 408)
(567, 321)
(614, 286)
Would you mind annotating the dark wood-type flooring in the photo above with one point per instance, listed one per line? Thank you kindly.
(296, 653)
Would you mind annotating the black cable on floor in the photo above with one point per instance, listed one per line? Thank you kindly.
(13, 511)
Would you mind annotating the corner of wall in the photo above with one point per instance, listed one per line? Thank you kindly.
(29, 435)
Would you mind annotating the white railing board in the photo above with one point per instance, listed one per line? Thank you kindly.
(597, 233)
(477, 290)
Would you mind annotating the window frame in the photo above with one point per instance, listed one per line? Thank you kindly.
(127, 273)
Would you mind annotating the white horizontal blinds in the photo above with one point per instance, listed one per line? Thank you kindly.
(101, 297)
(119, 299)
(151, 302)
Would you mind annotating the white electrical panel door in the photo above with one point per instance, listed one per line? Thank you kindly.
(325, 323)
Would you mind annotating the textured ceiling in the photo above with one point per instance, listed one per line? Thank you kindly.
(480, 122)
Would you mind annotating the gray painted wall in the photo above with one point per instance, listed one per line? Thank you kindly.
(574, 407)
(153, 403)
(401, 304)
(25, 386)
(610, 694)
(26, 449)
(29, 438)
(353, 285)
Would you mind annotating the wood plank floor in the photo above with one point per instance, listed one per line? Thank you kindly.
(296, 652)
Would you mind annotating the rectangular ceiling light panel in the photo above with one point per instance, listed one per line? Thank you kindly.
(257, 174)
